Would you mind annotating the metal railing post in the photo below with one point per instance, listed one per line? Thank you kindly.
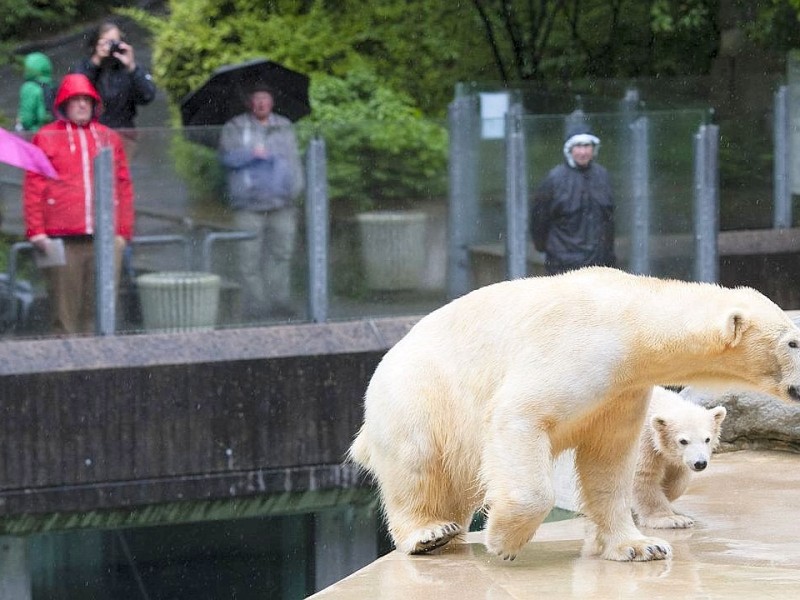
(516, 195)
(105, 321)
(317, 228)
(782, 163)
(464, 128)
(640, 194)
(706, 203)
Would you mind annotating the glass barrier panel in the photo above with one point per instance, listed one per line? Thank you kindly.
(194, 250)
(387, 189)
(387, 192)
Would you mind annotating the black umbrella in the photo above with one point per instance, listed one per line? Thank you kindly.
(223, 95)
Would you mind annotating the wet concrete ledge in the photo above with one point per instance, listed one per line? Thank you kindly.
(159, 349)
(132, 421)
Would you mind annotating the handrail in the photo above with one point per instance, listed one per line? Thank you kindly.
(10, 313)
(166, 238)
(186, 221)
(221, 236)
(16, 249)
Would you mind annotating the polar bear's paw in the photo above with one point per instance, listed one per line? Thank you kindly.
(639, 550)
(424, 540)
(670, 521)
(507, 542)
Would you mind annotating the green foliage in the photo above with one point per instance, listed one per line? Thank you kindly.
(775, 25)
(668, 17)
(32, 19)
(30, 15)
(202, 35)
(200, 168)
(554, 40)
(380, 147)
(422, 48)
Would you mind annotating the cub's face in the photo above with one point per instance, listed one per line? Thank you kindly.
(689, 438)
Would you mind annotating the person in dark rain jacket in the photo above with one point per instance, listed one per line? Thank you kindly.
(572, 218)
(121, 82)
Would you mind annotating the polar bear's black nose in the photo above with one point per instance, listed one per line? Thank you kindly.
(794, 393)
(700, 465)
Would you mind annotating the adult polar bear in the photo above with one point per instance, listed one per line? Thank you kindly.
(470, 407)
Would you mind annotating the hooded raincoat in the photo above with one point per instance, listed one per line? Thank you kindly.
(64, 207)
(33, 110)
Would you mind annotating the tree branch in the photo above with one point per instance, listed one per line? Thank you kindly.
(490, 38)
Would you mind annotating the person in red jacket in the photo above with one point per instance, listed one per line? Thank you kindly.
(64, 207)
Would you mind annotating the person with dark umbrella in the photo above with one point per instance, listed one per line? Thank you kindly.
(264, 175)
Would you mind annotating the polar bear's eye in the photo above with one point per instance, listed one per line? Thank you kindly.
(792, 344)
(708, 440)
(683, 442)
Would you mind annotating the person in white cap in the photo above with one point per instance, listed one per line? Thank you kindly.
(572, 218)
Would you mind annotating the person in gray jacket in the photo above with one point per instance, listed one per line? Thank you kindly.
(264, 175)
(572, 218)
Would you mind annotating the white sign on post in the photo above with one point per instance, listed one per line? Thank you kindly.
(494, 106)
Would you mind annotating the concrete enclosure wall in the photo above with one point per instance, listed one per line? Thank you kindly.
(108, 423)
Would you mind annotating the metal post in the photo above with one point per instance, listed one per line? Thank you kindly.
(640, 194)
(781, 163)
(464, 126)
(516, 195)
(706, 203)
(104, 233)
(317, 230)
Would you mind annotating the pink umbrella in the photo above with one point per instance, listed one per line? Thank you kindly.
(17, 152)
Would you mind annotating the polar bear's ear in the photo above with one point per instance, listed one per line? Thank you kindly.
(736, 323)
(659, 423)
(718, 413)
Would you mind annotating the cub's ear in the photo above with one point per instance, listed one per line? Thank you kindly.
(658, 424)
(734, 326)
(718, 413)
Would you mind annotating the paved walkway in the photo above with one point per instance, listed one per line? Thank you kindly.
(746, 544)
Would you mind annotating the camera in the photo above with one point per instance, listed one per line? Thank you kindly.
(113, 48)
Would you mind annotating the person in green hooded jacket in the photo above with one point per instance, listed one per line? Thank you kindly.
(33, 94)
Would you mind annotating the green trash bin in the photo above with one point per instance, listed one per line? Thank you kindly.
(179, 301)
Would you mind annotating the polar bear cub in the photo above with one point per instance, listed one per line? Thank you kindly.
(678, 438)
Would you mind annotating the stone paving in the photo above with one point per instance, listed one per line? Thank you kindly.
(746, 544)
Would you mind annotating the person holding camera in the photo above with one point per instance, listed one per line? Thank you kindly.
(121, 82)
